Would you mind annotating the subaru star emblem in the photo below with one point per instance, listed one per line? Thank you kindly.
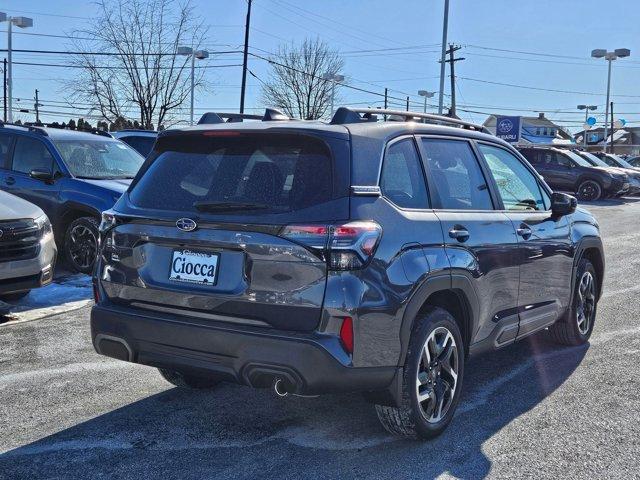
(186, 224)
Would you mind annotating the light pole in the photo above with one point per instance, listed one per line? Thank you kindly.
(586, 109)
(610, 57)
(22, 22)
(445, 25)
(426, 94)
(333, 78)
(200, 55)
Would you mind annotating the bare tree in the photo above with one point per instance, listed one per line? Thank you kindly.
(296, 85)
(145, 76)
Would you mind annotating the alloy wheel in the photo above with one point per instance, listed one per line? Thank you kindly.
(589, 190)
(437, 376)
(83, 246)
(585, 308)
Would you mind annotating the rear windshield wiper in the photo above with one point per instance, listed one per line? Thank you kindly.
(204, 206)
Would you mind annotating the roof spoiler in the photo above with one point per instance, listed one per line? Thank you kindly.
(358, 115)
(270, 115)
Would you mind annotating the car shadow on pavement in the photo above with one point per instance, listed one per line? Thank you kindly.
(238, 432)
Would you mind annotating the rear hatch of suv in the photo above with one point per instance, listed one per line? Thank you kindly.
(229, 225)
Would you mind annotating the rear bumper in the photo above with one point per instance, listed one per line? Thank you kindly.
(309, 364)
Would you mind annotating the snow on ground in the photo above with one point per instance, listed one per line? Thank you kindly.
(67, 292)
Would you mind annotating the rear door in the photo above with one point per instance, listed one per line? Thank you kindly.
(545, 250)
(206, 233)
(480, 241)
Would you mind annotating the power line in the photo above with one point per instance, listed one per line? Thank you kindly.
(538, 88)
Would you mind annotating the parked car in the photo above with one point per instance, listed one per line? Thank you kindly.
(27, 248)
(359, 255)
(634, 175)
(614, 160)
(566, 171)
(73, 176)
(140, 140)
(634, 161)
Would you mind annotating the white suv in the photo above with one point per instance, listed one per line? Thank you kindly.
(27, 249)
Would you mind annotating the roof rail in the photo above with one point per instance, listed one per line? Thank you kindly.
(356, 115)
(31, 128)
(270, 115)
(95, 131)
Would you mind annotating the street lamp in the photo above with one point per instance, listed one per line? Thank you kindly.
(22, 22)
(333, 78)
(426, 94)
(586, 109)
(200, 55)
(609, 56)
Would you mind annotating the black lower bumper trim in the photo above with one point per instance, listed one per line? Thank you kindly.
(310, 363)
(21, 284)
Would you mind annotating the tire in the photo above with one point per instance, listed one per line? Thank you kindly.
(414, 419)
(571, 329)
(12, 297)
(589, 191)
(81, 244)
(189, 381)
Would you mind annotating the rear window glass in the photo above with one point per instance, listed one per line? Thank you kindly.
(256, 173)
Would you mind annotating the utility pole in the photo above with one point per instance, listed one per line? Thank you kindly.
(246, 53)
(407, 104)
(4, 74)
(452, 60)
(445, 25)
(386, 94)
(37, 107)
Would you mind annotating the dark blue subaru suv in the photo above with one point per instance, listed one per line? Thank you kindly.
(356, 255)
(72, 175)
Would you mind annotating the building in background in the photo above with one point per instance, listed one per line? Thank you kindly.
(625, 140)
(536, 130)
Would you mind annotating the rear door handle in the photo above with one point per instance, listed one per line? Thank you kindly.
(524, 231)
(9, 180)
(460, 233)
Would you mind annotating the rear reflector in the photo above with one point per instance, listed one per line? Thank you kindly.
(96, 292)
(346, 334)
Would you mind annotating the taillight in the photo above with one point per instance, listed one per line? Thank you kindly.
(345, 246)
(346, 334)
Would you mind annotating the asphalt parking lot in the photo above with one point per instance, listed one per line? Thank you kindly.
(531, 410)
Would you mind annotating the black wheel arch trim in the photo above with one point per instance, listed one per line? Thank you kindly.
(457, 283)
(585, 243)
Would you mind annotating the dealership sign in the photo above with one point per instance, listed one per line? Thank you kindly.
(508, 128)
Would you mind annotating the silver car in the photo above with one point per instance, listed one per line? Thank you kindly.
(27, 249)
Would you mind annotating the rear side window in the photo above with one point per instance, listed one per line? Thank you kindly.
(517, 186)
(142, 145)
(401, 179)
(456, 175)
(241, 173)
(31, 154)
(5, 145)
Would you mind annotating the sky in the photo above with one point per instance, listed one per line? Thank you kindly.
(521, 57)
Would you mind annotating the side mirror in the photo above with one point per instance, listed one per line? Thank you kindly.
(42, 175)
(563, 204)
